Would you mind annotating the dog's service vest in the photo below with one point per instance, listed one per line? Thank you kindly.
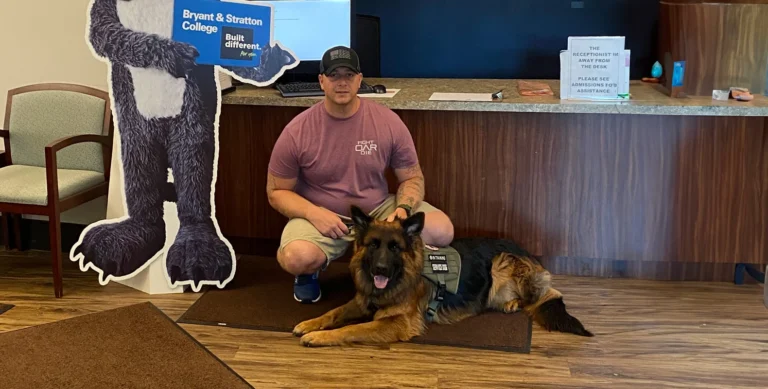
(442, 266)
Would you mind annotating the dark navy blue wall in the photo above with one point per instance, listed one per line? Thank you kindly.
(503, 38)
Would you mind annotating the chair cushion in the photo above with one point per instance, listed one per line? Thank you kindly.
(28, 185)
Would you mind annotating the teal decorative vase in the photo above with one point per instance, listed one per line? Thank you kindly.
(656, 70)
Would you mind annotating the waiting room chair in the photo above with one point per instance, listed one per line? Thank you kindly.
(58, 148)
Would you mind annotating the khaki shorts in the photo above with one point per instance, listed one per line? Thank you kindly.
(302, 229)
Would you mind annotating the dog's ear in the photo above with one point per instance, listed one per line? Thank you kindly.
(413, 225)
(360, 218)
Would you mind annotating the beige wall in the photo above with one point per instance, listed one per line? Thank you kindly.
(49, 47)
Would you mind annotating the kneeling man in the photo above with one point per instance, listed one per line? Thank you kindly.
(336, 154)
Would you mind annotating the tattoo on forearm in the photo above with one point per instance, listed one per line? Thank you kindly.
(411, 192)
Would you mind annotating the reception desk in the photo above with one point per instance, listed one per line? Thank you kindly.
(655, 187)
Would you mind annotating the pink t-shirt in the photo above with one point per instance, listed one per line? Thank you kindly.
(340, 162)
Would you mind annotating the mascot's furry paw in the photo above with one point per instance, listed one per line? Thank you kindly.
(197, 255)
(119, 249)
(183, 57)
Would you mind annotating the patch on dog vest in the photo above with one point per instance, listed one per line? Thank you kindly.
(439, 263)
(442, 266)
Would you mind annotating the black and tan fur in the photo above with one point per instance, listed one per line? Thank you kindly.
(496, 275)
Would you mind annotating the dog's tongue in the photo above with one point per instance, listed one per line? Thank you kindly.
(380, 281)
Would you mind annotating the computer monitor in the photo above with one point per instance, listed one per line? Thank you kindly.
(309, 28)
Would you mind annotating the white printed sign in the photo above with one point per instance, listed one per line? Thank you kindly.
(594, 68)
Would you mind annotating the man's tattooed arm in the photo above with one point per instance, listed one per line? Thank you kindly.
(411, 190)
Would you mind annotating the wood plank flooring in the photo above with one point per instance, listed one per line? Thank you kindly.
(649, 334)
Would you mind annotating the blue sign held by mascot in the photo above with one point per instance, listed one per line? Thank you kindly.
(164, 59)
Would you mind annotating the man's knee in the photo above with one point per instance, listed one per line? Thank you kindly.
(301, 257)
(438, 229)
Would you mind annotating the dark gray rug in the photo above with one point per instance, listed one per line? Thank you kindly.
(261, 297)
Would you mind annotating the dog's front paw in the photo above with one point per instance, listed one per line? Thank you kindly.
(307, 326)
(319, 339)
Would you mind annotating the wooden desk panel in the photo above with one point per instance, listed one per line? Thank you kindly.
(246, 137)
(629, 191)
(640, 188)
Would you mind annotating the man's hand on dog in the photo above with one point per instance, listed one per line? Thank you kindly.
(399, 213)
(328, 223)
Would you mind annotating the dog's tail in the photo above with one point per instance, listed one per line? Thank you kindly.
(532, 285)
(549, 312)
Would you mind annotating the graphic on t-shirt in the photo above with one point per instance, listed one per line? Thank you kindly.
(366, 147)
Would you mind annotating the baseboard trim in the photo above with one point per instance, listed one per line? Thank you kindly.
(647, 270)
(573, 266)
(35, 237)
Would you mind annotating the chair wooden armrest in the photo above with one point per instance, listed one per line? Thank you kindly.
(61, 143)
(58, 144)
(51, 168)
(4, 133)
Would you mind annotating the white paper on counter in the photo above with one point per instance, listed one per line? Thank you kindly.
(439, 96)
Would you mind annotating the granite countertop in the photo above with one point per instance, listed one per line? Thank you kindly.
(414, 94)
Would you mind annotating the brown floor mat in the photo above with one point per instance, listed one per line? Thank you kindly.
(261, 297)
(131, 347)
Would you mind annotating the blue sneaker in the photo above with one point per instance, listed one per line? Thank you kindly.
(306, 288)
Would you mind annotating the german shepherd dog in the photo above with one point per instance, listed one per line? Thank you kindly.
(392, 296)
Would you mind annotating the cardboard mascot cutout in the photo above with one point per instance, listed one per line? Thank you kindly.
(166, 96)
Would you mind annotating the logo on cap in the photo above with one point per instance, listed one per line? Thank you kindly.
(340, 53)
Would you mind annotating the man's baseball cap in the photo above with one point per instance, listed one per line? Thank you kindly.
(339, 56)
